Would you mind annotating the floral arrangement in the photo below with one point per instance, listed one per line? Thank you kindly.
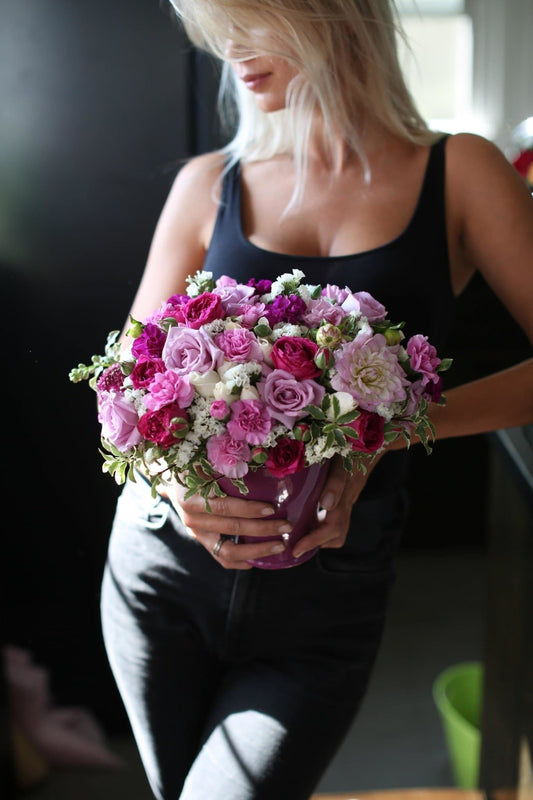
(278, 374)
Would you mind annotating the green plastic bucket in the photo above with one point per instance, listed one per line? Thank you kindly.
(458, 696)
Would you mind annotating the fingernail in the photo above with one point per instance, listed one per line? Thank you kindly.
(285, 528)
(278, 548)
(328, 501)
(298, 553)
(267, 512)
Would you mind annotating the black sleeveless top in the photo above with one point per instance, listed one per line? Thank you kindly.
(410, 275)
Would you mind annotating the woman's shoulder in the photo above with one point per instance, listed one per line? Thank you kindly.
(470, 156)
(201, 174)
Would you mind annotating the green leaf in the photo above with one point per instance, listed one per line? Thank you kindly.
(315, 412)
(445, 364)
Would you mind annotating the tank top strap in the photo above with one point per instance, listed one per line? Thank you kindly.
(429, 218)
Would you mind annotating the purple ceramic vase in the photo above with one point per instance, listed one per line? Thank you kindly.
(294, 497)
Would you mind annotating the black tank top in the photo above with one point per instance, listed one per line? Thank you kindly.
(410, 275)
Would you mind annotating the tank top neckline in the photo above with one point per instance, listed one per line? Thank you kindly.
(360, 254)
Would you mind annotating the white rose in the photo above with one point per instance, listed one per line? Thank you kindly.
(346, 404)
(204, 382)
(223, 392)
(250, 393)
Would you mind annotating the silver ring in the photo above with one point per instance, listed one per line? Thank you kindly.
(220, 541)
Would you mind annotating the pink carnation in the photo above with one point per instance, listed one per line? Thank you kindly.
(168, 387)
(250, 421)
(228, 456)
(423, 358)
(239, 344)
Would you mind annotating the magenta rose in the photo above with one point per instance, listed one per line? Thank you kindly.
(239, 344)
(150, 343)
(370, 430)
(144, 371)
(228, 456)
(286, 458)
(187, 351)
(250, 421)
(119, 418)
(295, 354)
(423, 357)
(201, 310)
(168, 387)
(285, 396)
(158, 427)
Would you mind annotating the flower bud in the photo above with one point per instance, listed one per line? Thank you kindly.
(136, 329)
(302, 432)
(393, 336)
(259, 455)
(328, 336)
(322, 358)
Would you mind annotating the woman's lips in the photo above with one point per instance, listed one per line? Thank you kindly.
(256, 80)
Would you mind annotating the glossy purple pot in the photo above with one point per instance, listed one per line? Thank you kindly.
(294, 497)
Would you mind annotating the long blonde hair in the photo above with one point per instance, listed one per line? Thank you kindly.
(345, 52)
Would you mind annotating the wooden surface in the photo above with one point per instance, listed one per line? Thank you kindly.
(407, 794)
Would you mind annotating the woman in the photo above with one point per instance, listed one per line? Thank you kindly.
(242, 683)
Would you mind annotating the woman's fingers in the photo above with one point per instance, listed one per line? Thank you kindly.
(235, 556)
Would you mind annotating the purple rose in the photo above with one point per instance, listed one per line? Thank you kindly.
(423, 358)
(239, 344)
(250, 421)
(168, 387)
(228, 456)
(150, 343)
(250, 314)
(187, 350)
(119, 419)
(285, 396)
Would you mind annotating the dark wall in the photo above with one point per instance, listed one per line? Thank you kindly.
(99, 103)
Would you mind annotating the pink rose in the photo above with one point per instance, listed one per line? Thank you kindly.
(323, 309)
(250, 314)
(423, 357)
(201, 310)
(144, 371)
(367, 305)
(250, 421)
(239, 344)
(168, 387)
(228, 456)
(370, 429)
(286, 458)
(119, 419)
(158, 427)
(295, 354)
(233, 296)
(187, 351)
(219, 409)
(285, 396)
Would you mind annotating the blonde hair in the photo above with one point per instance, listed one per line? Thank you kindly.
(345, 52)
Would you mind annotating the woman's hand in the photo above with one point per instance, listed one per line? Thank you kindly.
(230, 516)
(340, 493)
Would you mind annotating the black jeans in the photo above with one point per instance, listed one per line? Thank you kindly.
(241, 685)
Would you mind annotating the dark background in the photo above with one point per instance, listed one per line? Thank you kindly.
(99, 104)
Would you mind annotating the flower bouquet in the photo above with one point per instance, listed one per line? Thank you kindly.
(276, 376)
